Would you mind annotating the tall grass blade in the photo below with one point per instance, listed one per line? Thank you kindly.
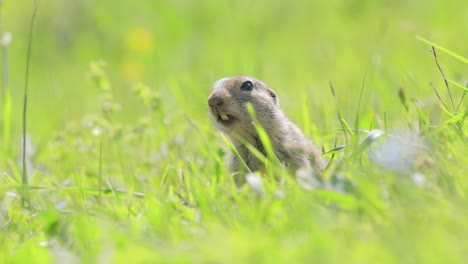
(447, 51)
(234, 150)
(442, 103)
(24, 177)
(344, 126)
(262, 134)
(356, 124)
(373, 136)
(458, 85)
(443, 76)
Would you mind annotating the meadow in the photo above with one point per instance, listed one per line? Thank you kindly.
(123, 164)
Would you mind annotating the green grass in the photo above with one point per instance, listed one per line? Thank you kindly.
(127, 167)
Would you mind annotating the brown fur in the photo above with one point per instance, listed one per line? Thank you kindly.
(290, 145)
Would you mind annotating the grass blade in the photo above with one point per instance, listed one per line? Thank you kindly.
(356, 124)
(458, 85)
(443, 76)
(447, 51)
(24, 176)
(345, 127)
(234, 150)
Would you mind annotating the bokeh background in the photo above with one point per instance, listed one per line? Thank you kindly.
(179, 48)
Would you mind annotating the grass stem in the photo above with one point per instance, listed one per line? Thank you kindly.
(24, 177)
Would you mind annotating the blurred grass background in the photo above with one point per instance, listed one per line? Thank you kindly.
(180, 47)
(172, 154)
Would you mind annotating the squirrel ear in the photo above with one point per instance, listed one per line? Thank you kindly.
(273, 95)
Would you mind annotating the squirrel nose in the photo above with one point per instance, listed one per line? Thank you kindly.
(215, 101)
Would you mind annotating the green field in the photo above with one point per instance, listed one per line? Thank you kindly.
(124, 166)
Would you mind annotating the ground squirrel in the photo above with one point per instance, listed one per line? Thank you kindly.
(228, 112)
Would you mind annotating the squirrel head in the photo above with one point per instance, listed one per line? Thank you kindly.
(228, 103)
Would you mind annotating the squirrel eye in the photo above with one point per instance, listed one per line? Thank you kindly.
(247, 86)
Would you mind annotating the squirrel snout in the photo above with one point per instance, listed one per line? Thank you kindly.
(215, 101)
